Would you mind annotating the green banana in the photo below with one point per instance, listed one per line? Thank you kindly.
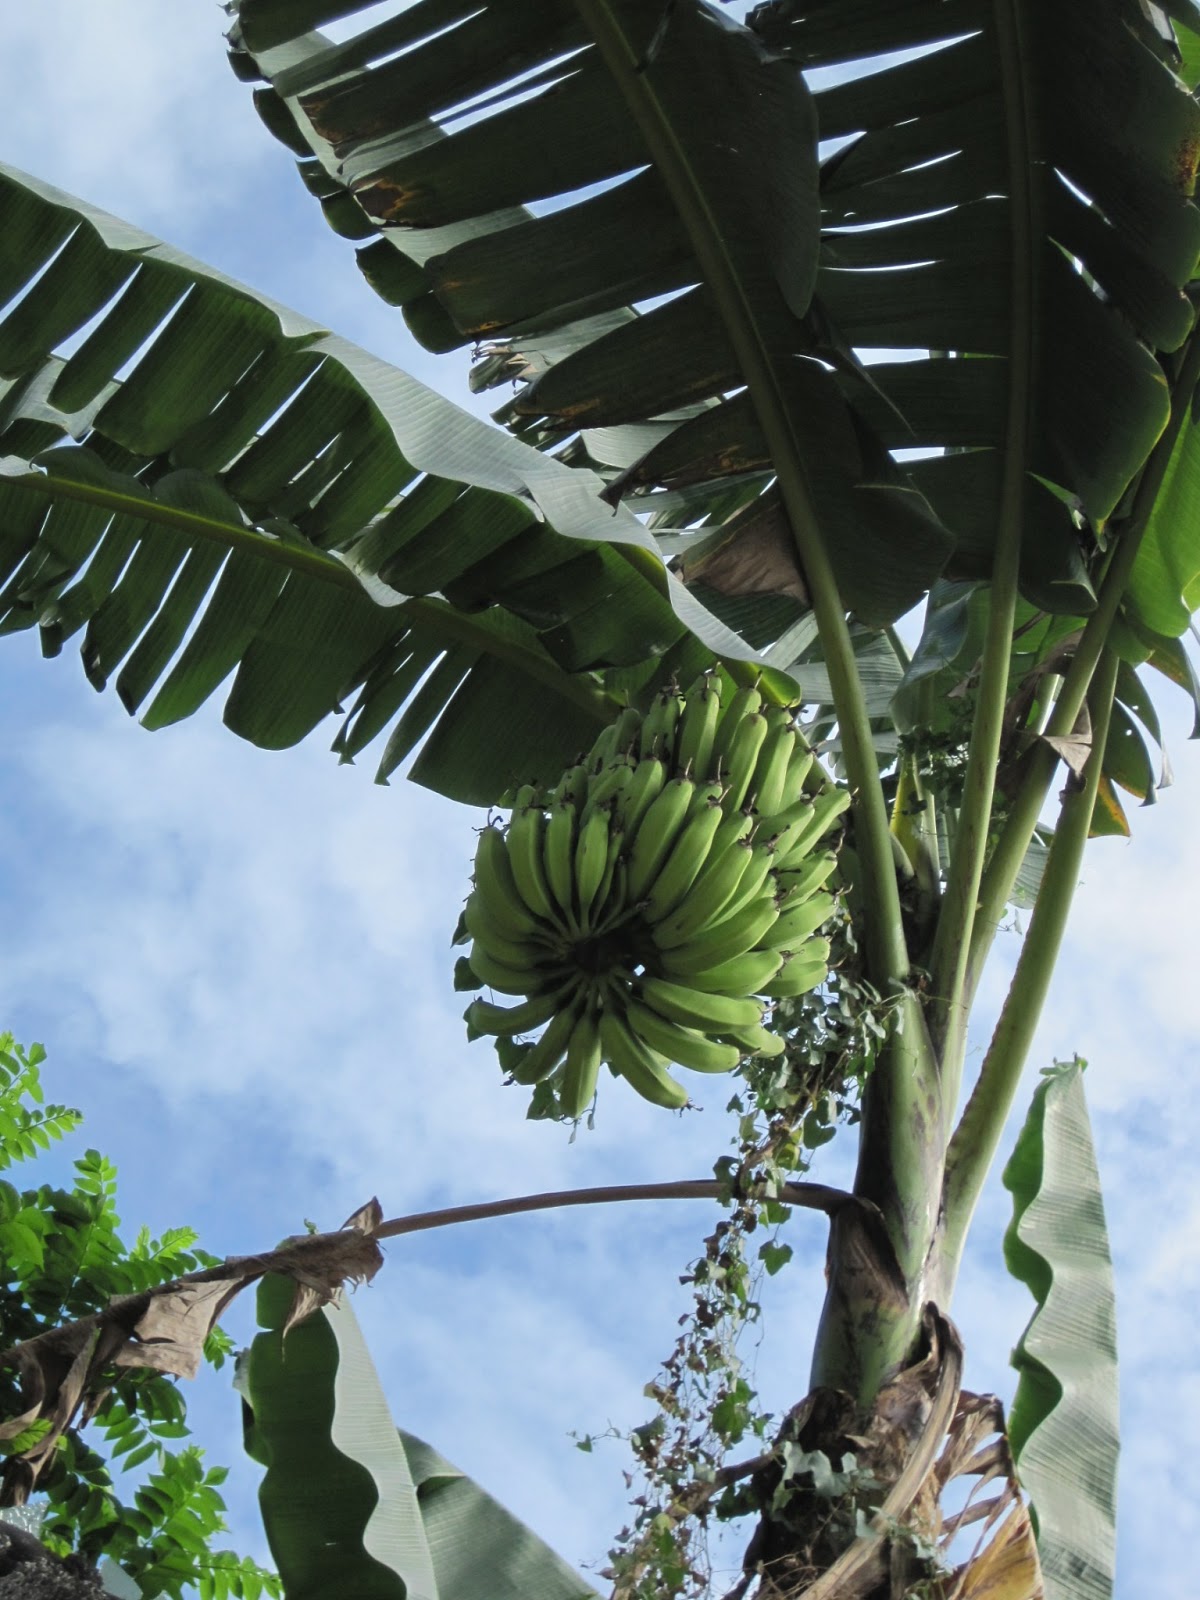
(756, 1041)
(485, 930)
(738, 770)
(677, 1043)
(693, 1008)
(742, 703)
(603, 751)
(529, 794)
(657, 737)
(797, 885)
(707, 901)
(638, 1064)
(614, 741)
(548, 1051)
(628, 730)
(640, 793)
(572, 787)
(770, 774)
(646, 834)
(496, 888)
(558, 852)
(809, 825)
(657, 832)
(729, 859)
(802, 972)
(798, 770)
(529, 979)
(604, 789)
(795, 925)
(756, 880)
(698, 728)
(591, 859)
(687, 856)
(525, 856)
(508, 1021)
(577, 1086)
(610, 896)
(743, 975)
(723, 941)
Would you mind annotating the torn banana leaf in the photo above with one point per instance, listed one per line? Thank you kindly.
(1063, 1426)
(351, 1505)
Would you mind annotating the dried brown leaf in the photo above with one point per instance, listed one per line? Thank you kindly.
(321, 1263)
(923, 1401)
(170, 1334)
(758, 558)
(367, 1219)
(64, 1372)
(1076, 746)
(1007, 1569)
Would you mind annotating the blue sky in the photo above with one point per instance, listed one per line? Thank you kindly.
(239, 963)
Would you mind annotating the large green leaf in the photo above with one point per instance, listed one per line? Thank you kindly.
(563, 284)
(255, 496)
(1165, 585)
(509, 195)
(352, 1506)
(1063, 1426)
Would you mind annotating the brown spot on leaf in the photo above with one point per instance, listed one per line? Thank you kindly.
(1187, 163)
(1109, 816)
(384, 200)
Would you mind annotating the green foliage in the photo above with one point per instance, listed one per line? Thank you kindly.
(371, 543)
(62, 1258)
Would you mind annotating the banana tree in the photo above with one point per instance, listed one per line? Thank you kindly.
(787, 362)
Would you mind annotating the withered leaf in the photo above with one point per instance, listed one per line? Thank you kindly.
(1007, 1569)
(63, 1372)
(170, 1334)
(758, 557)
(320, 1263)
(1076, 746)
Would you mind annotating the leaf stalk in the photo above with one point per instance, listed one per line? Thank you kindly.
(885, 941)
(899, 1165)
(311, 562)
(949, 962)
(974, 1142)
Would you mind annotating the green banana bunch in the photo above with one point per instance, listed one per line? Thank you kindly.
(647, 908)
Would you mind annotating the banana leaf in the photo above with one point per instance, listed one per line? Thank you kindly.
(619, 205)
(202, 483)
(1063, 1426)
(353, 1506)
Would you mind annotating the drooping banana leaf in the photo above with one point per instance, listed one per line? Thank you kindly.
(351, 1505)
(620, 203)
(1063, 1426)
(203, 483)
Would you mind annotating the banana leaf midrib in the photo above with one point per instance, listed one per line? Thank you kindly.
(296, 557)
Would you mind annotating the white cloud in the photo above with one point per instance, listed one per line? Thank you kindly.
(121, 102)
